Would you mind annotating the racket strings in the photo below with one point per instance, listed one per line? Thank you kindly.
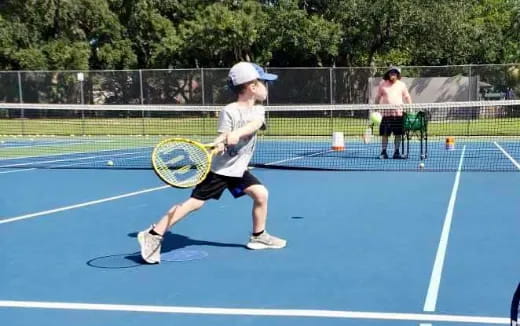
(180, 163)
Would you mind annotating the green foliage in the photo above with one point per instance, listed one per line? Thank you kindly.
(222, 34)
(300, 39)
(129, 34)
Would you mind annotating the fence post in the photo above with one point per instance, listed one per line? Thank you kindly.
(331, 100)
(20, 95)
(331, 86)
(469, 98)
(80, 76)
(202, 86)
(141, 100)
(471, 88)
(20, 92)
(267, 86)
(141, 93)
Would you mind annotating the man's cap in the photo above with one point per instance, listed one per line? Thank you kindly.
(244, 72)
(393, 68)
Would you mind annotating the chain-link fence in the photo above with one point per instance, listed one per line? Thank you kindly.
(295, 85)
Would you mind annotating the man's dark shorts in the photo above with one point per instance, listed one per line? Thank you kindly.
(391, 125)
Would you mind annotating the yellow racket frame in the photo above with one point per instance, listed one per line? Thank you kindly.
(203, 156)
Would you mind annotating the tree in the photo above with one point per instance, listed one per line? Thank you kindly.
(221, 35)
(154, 38)
(126, 34)
(62, 34)
(300, 38)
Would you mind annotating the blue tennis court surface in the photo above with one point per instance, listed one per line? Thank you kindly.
(364, 248)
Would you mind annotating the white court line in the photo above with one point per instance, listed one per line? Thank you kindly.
(69, 159)
(256, 312)
(72, 153)
(507, 155)
(100, 161)
(49, 144)
(298, 157)
(73, 164)
(89, 203)
(435, 280)
(17, 170)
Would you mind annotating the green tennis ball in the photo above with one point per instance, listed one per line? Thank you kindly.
(375, 118)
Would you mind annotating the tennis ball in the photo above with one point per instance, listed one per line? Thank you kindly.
(421, 165)
(375, 118)
(110, 163)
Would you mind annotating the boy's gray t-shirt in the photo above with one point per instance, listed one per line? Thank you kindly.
(234, 161)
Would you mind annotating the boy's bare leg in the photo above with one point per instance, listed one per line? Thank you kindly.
(260, 196)
(150, 239)
(260, 239)
(176, 213)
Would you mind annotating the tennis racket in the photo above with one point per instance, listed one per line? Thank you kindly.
(514, 306)
(182, 163)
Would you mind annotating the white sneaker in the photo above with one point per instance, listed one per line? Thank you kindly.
(265, 241)
(150, 246)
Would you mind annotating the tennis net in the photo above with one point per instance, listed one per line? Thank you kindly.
(473, 136)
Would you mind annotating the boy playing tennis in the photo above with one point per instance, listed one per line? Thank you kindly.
(238, 123)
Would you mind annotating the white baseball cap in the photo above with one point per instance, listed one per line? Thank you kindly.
(244, 72)
(393, 68)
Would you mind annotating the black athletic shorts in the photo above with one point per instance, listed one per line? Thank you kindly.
(391, 125)
(214, 185)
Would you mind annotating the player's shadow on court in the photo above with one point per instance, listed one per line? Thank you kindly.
(170, 242)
